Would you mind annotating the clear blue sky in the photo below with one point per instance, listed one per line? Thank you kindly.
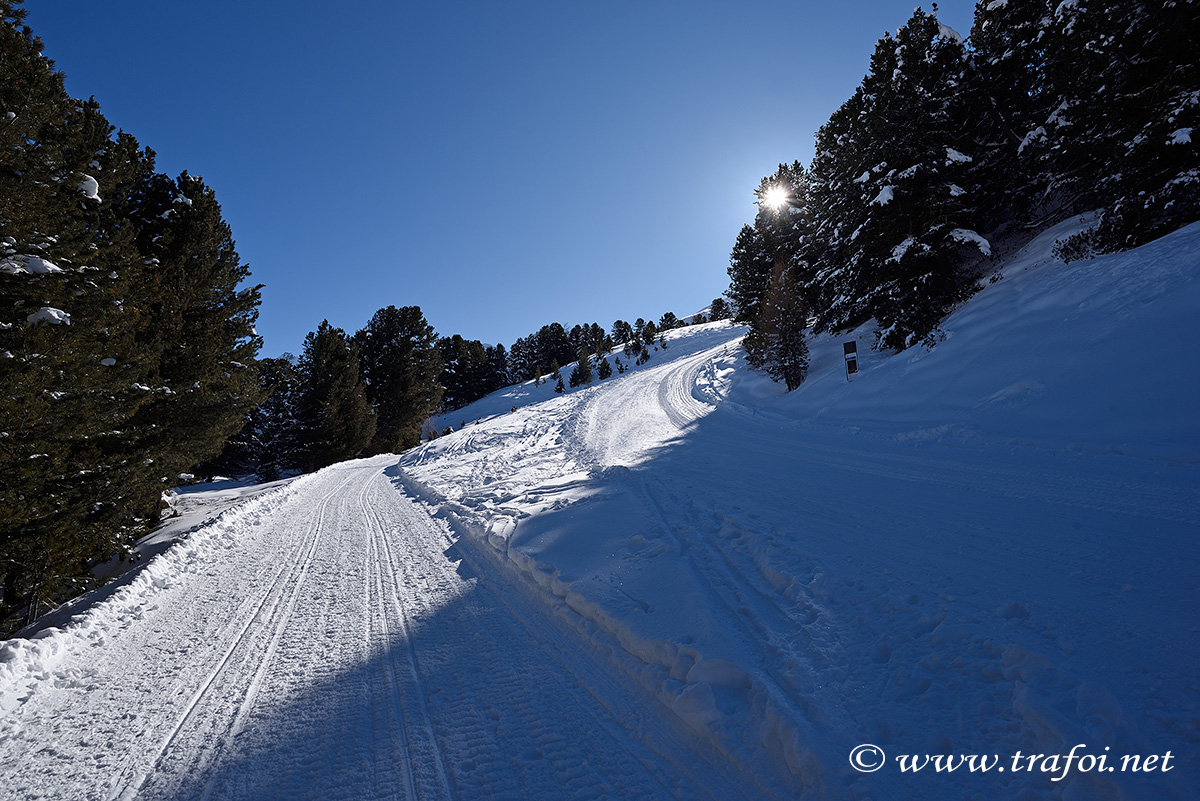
(501, 165)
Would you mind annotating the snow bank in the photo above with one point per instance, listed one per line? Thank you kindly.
(26, 664)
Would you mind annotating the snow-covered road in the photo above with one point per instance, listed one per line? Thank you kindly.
(680, 583)
(330, 641)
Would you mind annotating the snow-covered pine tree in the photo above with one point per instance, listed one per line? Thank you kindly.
(200, 322)
(274, 422)
(144, 344)
(888, 188)
(497, 369)
(554, 344)
(778, 232)
(1144, 116)
(465, 371)
(1009, 40)
(523, 361)
(72, 380)
(749, 271)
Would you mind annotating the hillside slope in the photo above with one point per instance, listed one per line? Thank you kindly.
(981, 548)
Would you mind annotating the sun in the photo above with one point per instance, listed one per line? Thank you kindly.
(776, 198)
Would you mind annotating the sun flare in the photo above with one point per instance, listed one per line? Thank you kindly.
(775, 198)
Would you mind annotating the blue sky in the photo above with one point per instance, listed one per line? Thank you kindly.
(502, 165)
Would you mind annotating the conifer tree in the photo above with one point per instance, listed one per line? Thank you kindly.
(497, 370)
(622, 332)
(465, 371)
(1010, 43)
(554, 344)
(776, 343)
(749, 270)
(64, 484)
(888, 188)
(558, 386)
(596, 340)
(127, 349)
(274, 423)
(582, 373)
(400, 366)
(201, 323)
(335, 418)
(520, 361)
(1135, 133)
(604, 369)
(718, 310)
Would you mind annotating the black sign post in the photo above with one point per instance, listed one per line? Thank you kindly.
(851, 351)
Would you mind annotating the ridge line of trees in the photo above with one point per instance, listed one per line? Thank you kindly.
(374, 391)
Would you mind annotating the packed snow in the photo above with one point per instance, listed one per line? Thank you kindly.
(682, 582)
(968, 237)
(89, 186)
(953, 156)
(34, 265)
(50, 315)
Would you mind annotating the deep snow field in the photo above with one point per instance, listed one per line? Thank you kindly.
(681, 582)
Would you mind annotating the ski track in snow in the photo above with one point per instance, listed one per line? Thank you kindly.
(342, 648)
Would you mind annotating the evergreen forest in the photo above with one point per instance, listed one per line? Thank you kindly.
(953, 152)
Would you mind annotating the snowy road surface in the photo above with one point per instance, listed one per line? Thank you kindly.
(328, 641)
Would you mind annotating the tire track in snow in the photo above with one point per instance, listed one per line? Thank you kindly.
(383, 562)
(297, 568)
